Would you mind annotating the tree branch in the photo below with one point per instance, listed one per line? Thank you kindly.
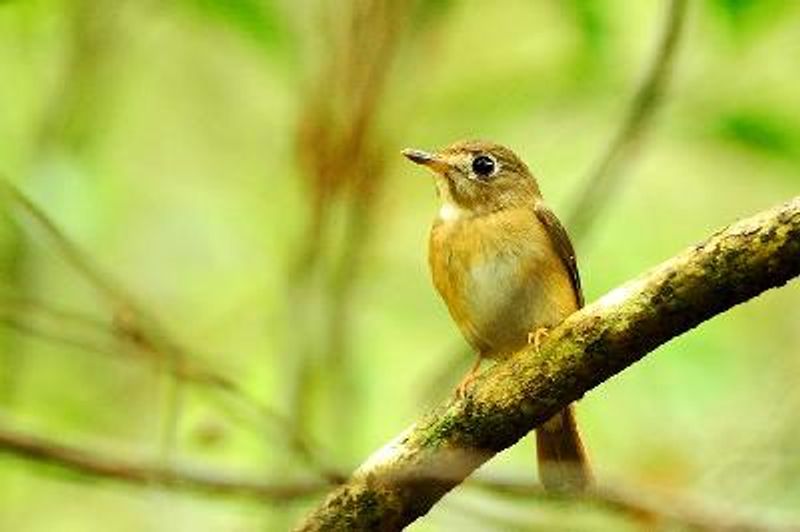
(401, 481)
(642, 504)
(95, 465)
(604, 179)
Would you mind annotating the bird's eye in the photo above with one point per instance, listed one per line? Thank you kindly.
(483, 165)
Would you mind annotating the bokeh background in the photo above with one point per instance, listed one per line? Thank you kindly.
(226, 271)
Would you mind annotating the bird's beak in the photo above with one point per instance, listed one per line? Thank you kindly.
(434, 161)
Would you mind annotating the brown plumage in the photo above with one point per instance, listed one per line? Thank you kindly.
(505, 267)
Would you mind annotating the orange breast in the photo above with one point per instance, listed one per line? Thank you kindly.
(500, 278)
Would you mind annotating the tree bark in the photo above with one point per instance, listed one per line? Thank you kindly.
(401, 481)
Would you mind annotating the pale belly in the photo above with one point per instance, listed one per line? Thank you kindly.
(500, 289)
(507, 297)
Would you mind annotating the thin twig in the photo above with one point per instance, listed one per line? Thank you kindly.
(341, 156)
(129, 318)
(94, 464)
(242, 407)
(607, 175)
(71, 253)
(14, 303)
(68, 124)
(641, 503)
(144, 331)
(54, 336)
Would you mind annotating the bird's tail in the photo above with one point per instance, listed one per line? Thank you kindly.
(563, 464)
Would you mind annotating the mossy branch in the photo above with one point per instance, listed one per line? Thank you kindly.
(401, 481)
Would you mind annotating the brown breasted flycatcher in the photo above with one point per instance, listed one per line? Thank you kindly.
(506, 269)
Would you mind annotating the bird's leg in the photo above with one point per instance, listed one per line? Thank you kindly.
(537, 336)
(461, 389)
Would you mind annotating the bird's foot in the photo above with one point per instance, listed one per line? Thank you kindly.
(535, 337)
(463, 386)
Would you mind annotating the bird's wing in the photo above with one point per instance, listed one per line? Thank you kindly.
(562, 244)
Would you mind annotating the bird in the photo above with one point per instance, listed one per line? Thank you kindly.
(506, 269)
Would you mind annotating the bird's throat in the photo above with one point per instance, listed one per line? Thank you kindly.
(450, 212)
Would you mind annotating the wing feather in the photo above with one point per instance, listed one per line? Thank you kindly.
(563, 246)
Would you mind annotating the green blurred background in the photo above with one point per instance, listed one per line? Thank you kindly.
(232, 167)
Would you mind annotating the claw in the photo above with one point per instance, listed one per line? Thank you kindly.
(462, 388)
(537, 336)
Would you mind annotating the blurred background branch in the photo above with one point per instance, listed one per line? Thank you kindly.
(645, 506)
(149, 474)
(64, 128)
(341, 150)
(139, 329)
(603, 182)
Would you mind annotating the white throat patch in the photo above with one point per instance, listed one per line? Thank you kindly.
(450, 212)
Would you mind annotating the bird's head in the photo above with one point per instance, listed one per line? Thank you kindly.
(477, 177)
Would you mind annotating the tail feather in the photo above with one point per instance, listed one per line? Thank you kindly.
(563, 464)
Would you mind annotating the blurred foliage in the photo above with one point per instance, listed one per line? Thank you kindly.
(593, 55)
(746, 17)
(261, 21)
(167, 142)
(761, 131)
